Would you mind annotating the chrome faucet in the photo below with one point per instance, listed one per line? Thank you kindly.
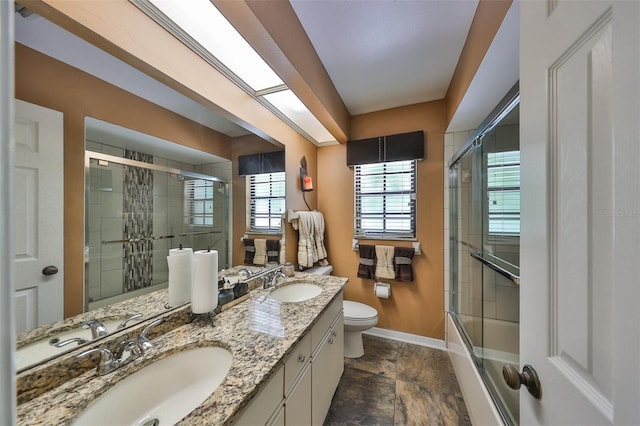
(134, 347)
(107, 362)
(274, 280)
(97, 328)
(138, 346)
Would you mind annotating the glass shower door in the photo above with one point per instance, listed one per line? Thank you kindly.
(135, 213)
(485, 255)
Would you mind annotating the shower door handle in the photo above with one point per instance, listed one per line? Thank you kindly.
(528, 377)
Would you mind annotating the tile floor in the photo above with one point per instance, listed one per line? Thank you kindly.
(397, 383)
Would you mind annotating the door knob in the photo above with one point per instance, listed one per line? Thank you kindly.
(49, 270)
(528, 377)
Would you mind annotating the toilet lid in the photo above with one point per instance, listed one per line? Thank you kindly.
(357, 310)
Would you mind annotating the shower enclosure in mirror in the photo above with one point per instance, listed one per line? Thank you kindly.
(484, 180)
(137, 208)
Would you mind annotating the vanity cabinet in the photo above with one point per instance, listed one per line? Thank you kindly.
(300, 393)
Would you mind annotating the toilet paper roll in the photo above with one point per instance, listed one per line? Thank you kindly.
(204, 290)
(179, 261)
(383, 291)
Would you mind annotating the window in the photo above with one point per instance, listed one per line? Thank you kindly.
(198, 205)
(267, 201)
(385, 200)
(503, 192)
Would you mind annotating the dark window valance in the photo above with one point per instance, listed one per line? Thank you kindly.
(265, 162)
(400, 147)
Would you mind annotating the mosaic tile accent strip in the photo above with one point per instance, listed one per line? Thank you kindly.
(137, 224)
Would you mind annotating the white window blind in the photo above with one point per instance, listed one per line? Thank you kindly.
(503, 192)
(385, 200)
(267, 201)
(198, 202)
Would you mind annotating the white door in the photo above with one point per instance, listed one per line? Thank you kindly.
(37, 215)
(580, 246)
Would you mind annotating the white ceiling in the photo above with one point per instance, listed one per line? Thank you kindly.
(383, 54)
(379, 54)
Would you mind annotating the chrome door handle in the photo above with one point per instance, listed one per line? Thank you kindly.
(528, 377)
(49, 270)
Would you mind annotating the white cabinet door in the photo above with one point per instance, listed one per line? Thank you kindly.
(337, 353)
(327, 367)
(37, 215)
(298, 403)
(580, 250)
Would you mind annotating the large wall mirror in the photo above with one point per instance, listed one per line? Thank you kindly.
(118, 253)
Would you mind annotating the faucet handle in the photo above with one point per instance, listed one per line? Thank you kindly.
(97, 328)
(107, 362)
(123, 324)
(140, 345)
(153, 324)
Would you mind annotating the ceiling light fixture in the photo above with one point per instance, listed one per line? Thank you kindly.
(201, 27)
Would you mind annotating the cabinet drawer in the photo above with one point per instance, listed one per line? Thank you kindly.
(296, 361)
(320, 328)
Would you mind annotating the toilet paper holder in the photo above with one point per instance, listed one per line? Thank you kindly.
(382, 290)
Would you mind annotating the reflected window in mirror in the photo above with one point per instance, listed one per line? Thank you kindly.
(198, 202)
(267, 202)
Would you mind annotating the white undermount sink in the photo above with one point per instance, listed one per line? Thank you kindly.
(166, 390)
(297, 292)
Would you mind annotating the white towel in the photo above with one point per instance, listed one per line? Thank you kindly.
(260, 258)
(384, 262)
(307, 254)
(318, 225)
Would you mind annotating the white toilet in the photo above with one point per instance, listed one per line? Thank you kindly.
(358, 317)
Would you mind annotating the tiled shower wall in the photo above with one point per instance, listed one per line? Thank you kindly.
(137, 224)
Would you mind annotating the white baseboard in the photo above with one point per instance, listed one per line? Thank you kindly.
(407, 338)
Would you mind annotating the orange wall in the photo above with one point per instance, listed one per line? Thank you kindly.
(47, 82)
(416, 307)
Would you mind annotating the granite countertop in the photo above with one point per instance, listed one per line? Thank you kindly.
(258, 332)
